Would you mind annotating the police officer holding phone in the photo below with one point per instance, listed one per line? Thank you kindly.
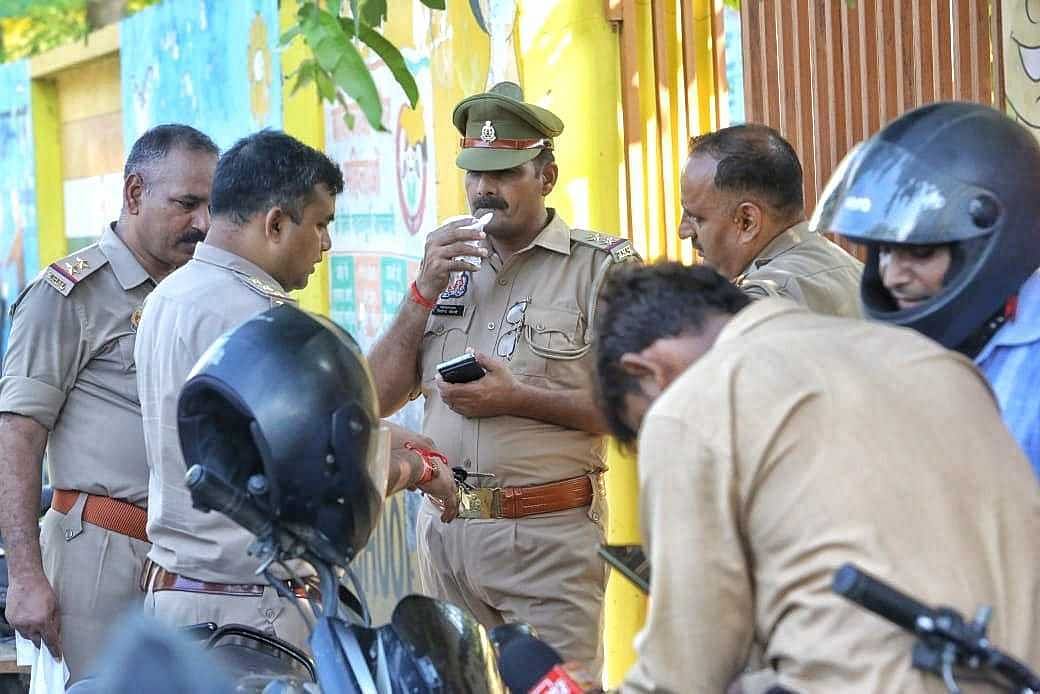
(525, 546)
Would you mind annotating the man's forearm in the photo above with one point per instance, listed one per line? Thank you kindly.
(394, 358)
(406, 468)
(22, 441)
(574, 408)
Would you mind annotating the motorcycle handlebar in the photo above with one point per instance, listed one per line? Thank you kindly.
(879, 597)
(211, 492)
(901, 609)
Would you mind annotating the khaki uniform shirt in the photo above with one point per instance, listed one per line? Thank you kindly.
(801, 442)
(213, 293)
(547, 344)
(70, 366)
(807, 268)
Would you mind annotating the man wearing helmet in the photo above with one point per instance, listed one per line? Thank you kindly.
(946, 199)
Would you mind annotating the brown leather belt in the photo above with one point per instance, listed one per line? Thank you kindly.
(160, 579)
(518, 502)
(105, 512)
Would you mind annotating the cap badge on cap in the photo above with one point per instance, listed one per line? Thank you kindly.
(487, 133)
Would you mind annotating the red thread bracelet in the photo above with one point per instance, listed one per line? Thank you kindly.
(417, 297)
(430, 468)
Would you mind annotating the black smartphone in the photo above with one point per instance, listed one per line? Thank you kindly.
(462, 369)
(631, 561)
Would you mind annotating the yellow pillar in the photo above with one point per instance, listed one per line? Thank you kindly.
(572, 43)
(50, 199)
(303, 117)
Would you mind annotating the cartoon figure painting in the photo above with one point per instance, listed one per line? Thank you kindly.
(1021, 22)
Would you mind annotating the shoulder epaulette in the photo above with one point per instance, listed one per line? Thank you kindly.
(66, 273)
(620, 249)
(264, 288)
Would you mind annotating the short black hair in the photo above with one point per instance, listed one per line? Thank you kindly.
(544, 158)
(158, 142)
(755, 159)
(270, 169)
(641, 304)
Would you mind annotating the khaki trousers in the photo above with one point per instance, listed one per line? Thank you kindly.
(269, 613)
(95, 574)
(543, 570)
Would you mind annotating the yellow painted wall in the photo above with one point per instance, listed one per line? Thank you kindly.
(50, 210)
(303, 117)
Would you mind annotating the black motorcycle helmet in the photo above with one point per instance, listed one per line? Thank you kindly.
(957, 174)
(284, 410)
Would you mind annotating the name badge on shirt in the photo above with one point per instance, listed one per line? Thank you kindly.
(456, 310)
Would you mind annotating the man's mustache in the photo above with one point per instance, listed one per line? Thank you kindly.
(487, 202)
(193, 236)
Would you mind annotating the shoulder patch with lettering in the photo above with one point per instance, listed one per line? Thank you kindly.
(66, 273)
(620, 249)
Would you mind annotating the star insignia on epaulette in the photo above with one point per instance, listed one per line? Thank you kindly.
(601, 240)
(77, 266)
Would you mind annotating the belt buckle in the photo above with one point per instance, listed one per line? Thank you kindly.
(482, 502)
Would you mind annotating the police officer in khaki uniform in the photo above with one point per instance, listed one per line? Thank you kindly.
(743, 211)
(525, 549)
(69, 388)
(775, 445)
(268, 234)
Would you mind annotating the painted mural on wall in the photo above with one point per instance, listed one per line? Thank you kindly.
(19, 249)
(387, 208)
(1021, 23)
(211, 64)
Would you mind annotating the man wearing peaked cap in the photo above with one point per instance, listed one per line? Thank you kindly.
(499, 131)
(527, 431)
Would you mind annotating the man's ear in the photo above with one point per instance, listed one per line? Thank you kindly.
(641, 366)
(133, 190)
(549, 175)
(749, 221)
(274, 224)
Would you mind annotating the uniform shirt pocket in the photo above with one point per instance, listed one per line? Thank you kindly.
(112, 368)
(552, 339)
(445, 337)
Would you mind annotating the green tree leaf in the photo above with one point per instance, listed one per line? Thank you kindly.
(434, 4)
(390, 55)
(326, 87)
(348, 117)
(293, 31)
(330, 51)
(304, 74)
(352, 76)
(372, 12)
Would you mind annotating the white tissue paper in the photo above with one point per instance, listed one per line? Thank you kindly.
(48, 674)
(478, 224)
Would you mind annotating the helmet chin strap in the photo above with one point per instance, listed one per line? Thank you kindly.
(974, 343)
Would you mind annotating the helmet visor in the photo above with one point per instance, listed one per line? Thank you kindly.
(881, 193)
